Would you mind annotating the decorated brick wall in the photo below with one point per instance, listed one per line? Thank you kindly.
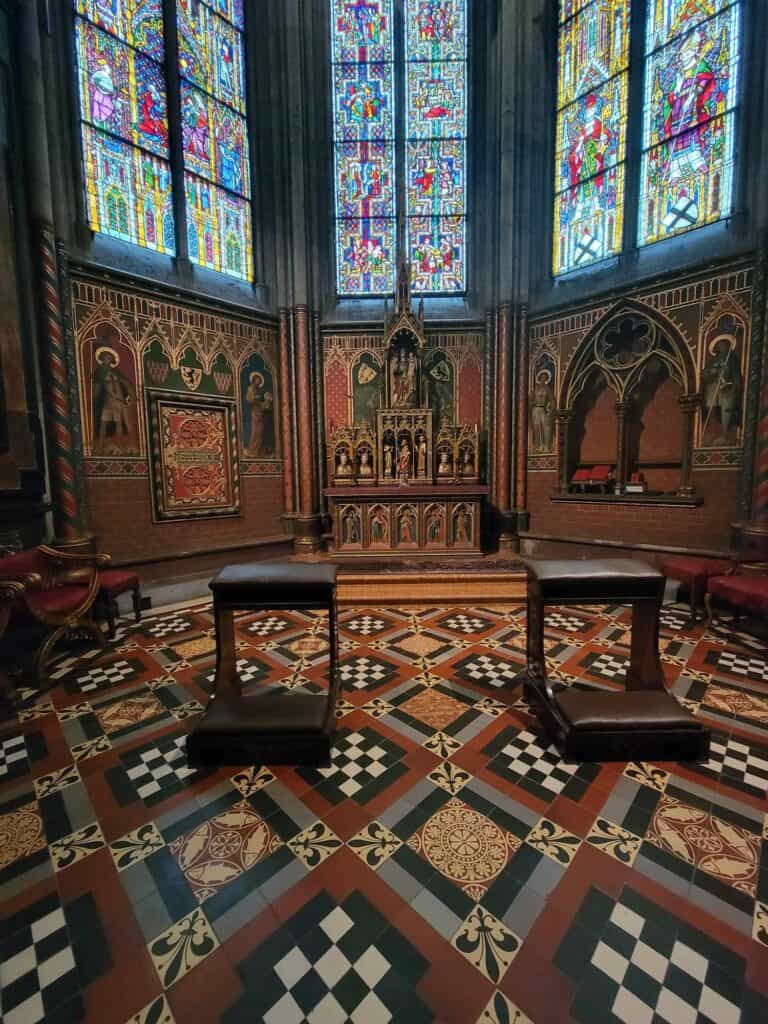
(353, 377)
(178, 409)
(694, 335)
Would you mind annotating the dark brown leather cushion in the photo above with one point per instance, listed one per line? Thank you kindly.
(282, 714)
(257, 582)
(603, 712)
(613, 570)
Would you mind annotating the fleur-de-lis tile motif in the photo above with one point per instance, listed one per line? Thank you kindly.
(38, 711)
(182, 947)
(187, 710)
(374, 844)
(159, 681)
(449, 777)
(487, 943)
(343, 707)
(251, 780)
(156, 1012)
(501, 1011)
(647, 775)
(74, 711)
(136, 846)
(91, 748)
(694, 706)
(553, 841)
(489, 706)
(73, 848)
(377, 707)
(614, 840)
(760, 923)
(315, 844)
(442, 744)
(55, 781)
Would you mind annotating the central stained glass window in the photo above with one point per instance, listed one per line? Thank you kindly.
(593, 60)
(370, 188)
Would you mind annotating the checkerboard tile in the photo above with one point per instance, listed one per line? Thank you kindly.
(359, 759)
(333, 962)
(13, 757)
(487, 670)
(153, 772)
(102, 677)
(606, 666)
(524, 758)
(738, 664)
(268, 626)
(168, 625)
(565, 622)
(366, 672)
(465, 624)
(738, 762)
(366, 625)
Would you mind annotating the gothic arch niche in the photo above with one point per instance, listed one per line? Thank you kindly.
(628, 400)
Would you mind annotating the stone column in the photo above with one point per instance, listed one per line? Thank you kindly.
(688, 404)
(562, 418)
(307, 523)
(622, 408)
(521, 439)
(503, 439)
(286, 427)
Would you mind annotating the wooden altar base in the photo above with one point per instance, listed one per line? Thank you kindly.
(480, 580)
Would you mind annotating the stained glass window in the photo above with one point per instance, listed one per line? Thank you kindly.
(593, 60)
(215, 135)
(691, 83)
(364, 145)
(125, 120)
(436, 129)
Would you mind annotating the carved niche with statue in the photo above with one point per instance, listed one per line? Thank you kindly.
(405, 478)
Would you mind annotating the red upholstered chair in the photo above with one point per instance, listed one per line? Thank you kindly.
(58, 589)
(694, 573)
(747, 593)
(115, 582)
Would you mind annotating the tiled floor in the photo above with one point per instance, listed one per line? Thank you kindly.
(447, 866)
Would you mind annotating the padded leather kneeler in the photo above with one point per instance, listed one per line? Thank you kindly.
(279, 728)
(645, 722)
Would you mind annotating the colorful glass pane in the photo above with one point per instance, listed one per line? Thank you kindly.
(232, 10)
(592, 47)
(436, 30)
(362, 30)
(589, 221)
(211, 53)
(121, 91)
(436, 252)
(691, 90)
(215, 141)
(570, 7)
(218, 228)
(364, 186)
(363, 107)
(436, 178)
(672, 18)
(436, 100)
(365, 259)
(128, 192)
(591, 133)
(138, 22)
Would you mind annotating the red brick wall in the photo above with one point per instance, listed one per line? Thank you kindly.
(598, 444)
(120, 516)
(706, 526)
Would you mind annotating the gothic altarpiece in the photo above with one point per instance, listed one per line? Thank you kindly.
(405, 477)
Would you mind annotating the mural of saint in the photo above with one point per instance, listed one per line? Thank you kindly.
(258, 408)
(114, 425)
(434, 526)
(542, 412)
(721, 385)
(440, 383)
(407, 526)
(379, 527)
(351, 523)
(366, 387)
(462, 526)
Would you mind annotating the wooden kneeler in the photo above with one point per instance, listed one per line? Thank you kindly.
(645, 722)
(272, 728)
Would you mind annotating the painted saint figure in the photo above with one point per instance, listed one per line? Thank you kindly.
(463, 526)
(112, 394)
(721, 380)
(351, 526)
(542, 412)
(102, 93)
(260, 408)
(434, 527)
(379, 527)
(407, 527)
(404, 461)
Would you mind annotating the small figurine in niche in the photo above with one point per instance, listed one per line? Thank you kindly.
(343, 465)
(421, 455)
(542, 412)
(365, 468)
(434, 527)
(404, 461)
(407, 527)
(351, 526)
(463, 526)
(467, 461)
(388, 461)
(444, 467)
(379, 527)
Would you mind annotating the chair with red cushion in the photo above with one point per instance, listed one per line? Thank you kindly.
(747, 593)
(694, 572)
(115, 582)
(57, 589)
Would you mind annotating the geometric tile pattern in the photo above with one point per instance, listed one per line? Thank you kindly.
(447, 865)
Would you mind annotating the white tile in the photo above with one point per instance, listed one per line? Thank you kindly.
(376, 769)
(292, 967)
(327, 1011)
(49, 924)
(674, 1009)
(371, 1011)
(717, 1007)
(627, 920)
(688, 960)
(28, 1012)
(336, 924)
(630, 1009)
(332, 966)
(17, 966)
(285, 1011)
(650, 961)
(372, 966)
(376, 752)
(56, 967)
(610, 962)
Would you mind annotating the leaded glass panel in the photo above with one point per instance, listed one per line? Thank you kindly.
(211, 53)
(137, 22)
(218, 228)
(691, 90)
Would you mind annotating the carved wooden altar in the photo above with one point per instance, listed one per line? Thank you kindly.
(405, 481)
